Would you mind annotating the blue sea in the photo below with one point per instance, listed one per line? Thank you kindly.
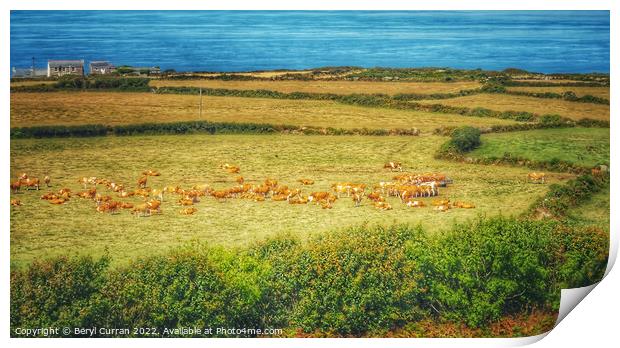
(542, 41)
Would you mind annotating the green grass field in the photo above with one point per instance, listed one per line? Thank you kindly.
(39, 229)
(594, 212)
(112, 108)
(581, 146)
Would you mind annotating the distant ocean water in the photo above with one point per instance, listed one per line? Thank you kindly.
(543, 41)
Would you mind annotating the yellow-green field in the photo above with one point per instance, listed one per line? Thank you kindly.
(39, 229)
(601, 92)
(336, 87)
(503, 102)
(112, 108)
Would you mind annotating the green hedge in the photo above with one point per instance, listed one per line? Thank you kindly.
(562, 197)
(196, 127)
(133, 84)
(512, 83)
(93, 130)
(568, 96)
(363, 280)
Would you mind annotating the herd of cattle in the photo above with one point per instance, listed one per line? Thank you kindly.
(109, 196)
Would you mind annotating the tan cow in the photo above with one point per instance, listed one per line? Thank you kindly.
(392, 166)
(536, 177)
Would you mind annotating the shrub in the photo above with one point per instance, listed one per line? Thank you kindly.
(466, 138)
(367, 279)
(479, 271)
(56, 292)
(493, 88)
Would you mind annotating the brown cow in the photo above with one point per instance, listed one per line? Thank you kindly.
(392, 166)
(188, 211)
(357, 198)
(150, 173)
(383, 205)
(415, 204)
(536, 177)
(15, 186)
(142, 182)
(31, 182)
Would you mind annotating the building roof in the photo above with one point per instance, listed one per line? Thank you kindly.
(100, 63)
(65, 62)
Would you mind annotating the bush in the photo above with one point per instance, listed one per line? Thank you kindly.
(479, 271)
(56, 292)
(362, 280)
(466, 138)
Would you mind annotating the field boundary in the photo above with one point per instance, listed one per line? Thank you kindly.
(195, 127)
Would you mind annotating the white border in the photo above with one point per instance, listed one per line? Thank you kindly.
(593, 322)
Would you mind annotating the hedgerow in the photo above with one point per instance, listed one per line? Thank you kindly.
(562, 197)
(568, 96)
(115, 83)
(196, 127)
(359, 281)
(93, 130)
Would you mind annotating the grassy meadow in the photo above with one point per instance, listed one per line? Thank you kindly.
(113, 108)
(335, 87)
(39, 229)
(504, 102)
(586, 147)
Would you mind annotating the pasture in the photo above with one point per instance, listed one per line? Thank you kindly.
(595, 212)
(40, 229)
(504, 102)
(586, 147)
(113, 108)
(335, 87)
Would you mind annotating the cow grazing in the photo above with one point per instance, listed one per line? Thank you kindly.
(383, 206)
(393, 166)
(57, 201)
(150, 173)
(463, 205)
(142, 182)
(442, 207)
(357, 199)
(47, 180)
(415, 204)
(536, 177)
(440, 202)
(15, 186)
(154, 205)
(188, 211)
(31, 182)
(141, 210)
